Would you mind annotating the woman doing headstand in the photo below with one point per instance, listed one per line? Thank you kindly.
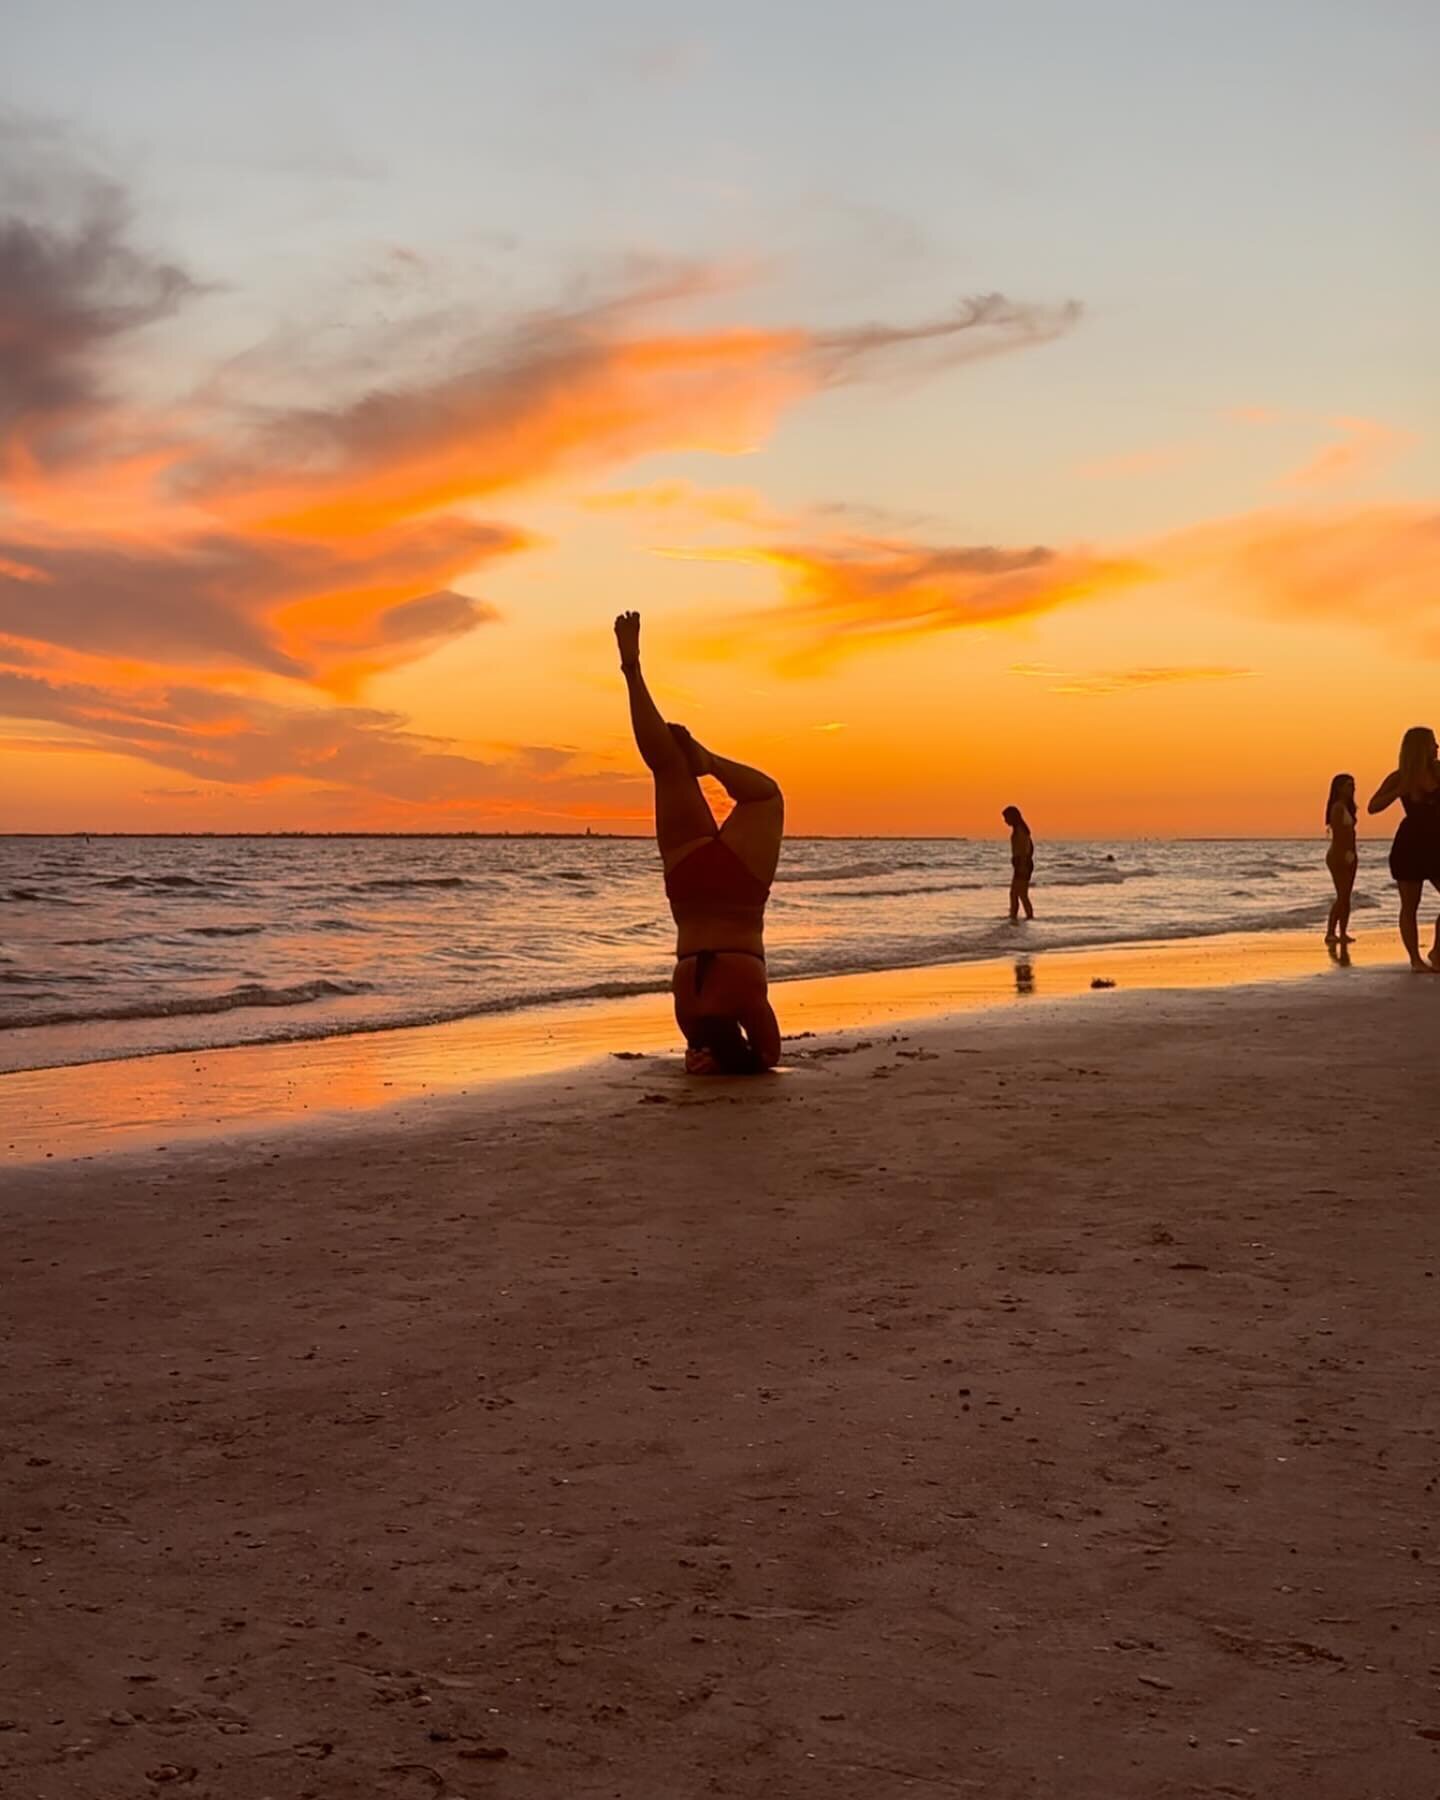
(717, 883)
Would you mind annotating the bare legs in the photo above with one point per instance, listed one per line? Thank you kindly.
(755, 828)
(682, 816)
(1410, 896)
(1020, 896)
(1412, 941)
(1337, 930)
(742, 783)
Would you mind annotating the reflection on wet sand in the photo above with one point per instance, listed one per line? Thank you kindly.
(162, 1099)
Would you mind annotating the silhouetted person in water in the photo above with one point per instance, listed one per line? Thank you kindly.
(1415, 853)
(717, 882)
(1022, 862)
(1340, 858)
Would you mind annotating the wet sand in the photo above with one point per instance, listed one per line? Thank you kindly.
(1036, 1403)
(181, 1096)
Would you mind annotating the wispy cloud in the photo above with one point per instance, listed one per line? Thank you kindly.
(1113, 681)
(851, 594)
(1375, 568)
(73, 289)
(290, 606)
(1363, 447)
(687, 502)
(982, 326)
(238, 740)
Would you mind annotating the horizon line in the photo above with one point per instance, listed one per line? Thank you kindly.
(638, 837)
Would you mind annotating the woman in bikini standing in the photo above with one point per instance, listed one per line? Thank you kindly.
(1340, 858)
(717, 882)
(1415, 853)
(1022, 862)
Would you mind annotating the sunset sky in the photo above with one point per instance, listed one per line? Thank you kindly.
(981, 403)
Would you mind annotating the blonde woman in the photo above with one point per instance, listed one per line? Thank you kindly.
(1340, 858)
(1415, 853)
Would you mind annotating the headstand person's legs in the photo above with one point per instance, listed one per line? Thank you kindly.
(756, 827)
(682, 815)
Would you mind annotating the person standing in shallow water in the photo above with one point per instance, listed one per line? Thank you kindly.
(1022, 862)
(716, 880)
(1340, 858)
(1415, 853)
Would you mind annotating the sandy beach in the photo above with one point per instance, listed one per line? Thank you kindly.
(1034, 1402)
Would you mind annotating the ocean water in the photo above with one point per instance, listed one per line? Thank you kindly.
(124, 946)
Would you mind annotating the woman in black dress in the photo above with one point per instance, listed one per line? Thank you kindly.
(1415, 854)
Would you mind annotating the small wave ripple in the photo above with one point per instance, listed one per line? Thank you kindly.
(179, 1006)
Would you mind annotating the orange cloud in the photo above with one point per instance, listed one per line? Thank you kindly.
(288, 606)
(855, 593)
(1364, 446)
(1375, 567)
(687, 500)
(234, 740)
(319, 543)
(593, 388)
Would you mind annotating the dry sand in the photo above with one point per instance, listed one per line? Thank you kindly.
(1033, 1405)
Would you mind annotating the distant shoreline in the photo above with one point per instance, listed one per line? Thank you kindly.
(628, 837)
(65, 837)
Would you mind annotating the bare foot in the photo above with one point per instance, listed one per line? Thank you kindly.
(696, 755)
(627, 637)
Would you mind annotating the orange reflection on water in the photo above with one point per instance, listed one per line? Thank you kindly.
(147, 1101)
